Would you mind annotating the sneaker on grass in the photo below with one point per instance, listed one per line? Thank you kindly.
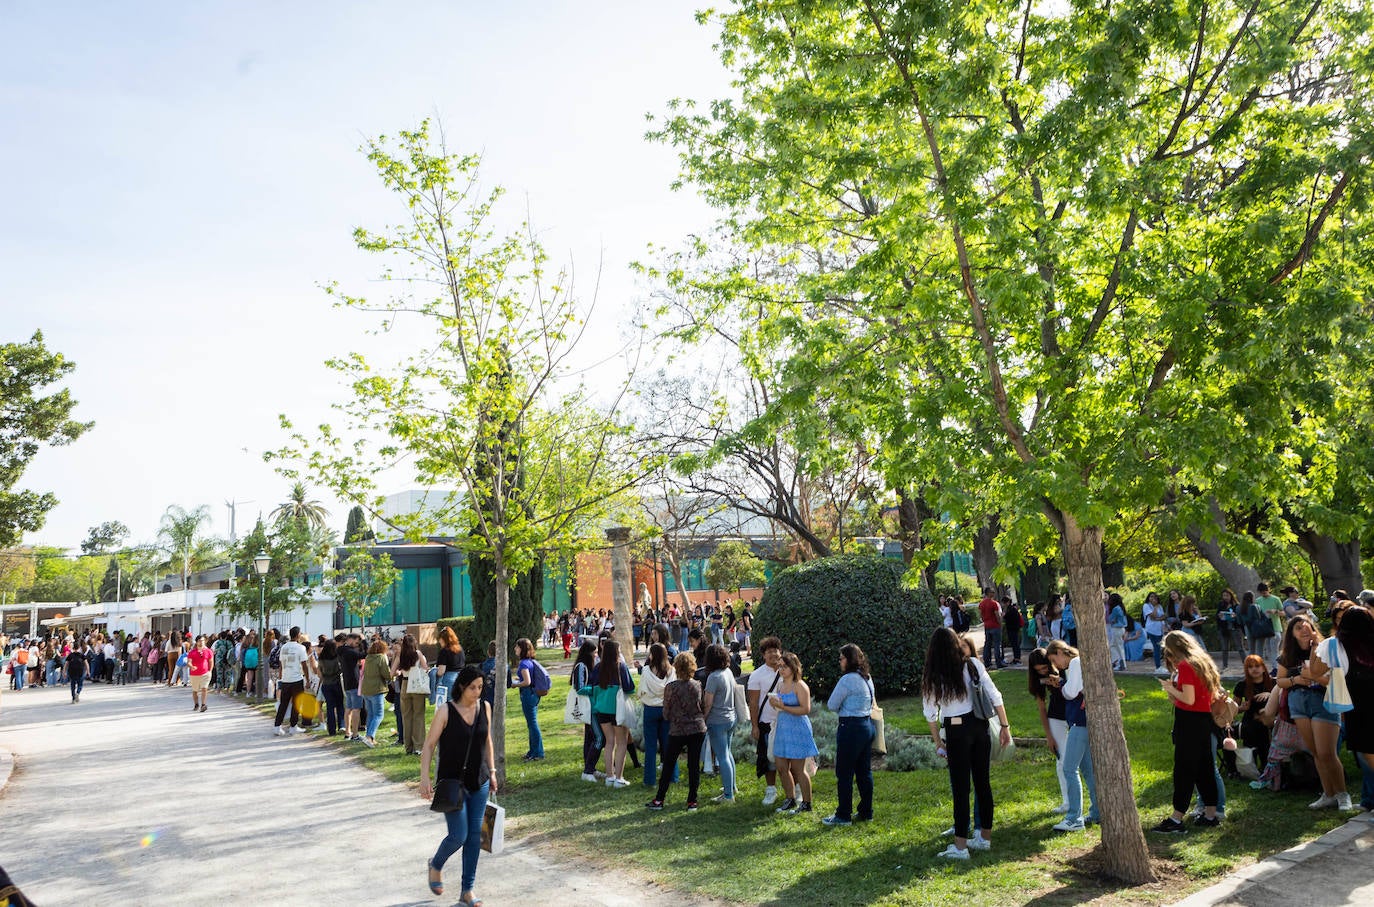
(953, 853)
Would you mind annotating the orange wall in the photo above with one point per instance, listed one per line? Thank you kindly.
(594, 585)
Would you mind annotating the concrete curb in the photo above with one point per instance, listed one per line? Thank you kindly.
(1258, 875)
(6, 768)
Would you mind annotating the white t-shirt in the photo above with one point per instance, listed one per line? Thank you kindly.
(761, 678)
(292, 656)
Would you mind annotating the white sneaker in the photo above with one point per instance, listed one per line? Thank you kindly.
(295, 730)
(1161, 672)
(1060, 809)
(610, 781)
(1343, 802)
(953, 853)
(588, 776)
(617, 782)
(978, 842)
(770, 795)
(1069, 825)
(1323, 802)
(279, 731)
(949, 832)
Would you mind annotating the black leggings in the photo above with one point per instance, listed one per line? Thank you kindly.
(692, 743)
(288, 690)
(591, 749)
(970, 758)
(1194, 759)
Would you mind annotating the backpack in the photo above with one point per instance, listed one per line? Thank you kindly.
(540, 678)
(959, 619)
(274, 658)
(1259, 624)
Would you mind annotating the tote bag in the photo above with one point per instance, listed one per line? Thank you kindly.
(875, 714)
(625, 714)
(1337, 693)
(417, 680)
(494, 828)
(578, 709)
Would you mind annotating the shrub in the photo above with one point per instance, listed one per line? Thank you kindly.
(818, 606)
(906, 753)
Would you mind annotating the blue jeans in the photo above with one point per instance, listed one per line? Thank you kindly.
(854, 764)
(78, 682)
(1156, 641)
(992, 646)
(1077, 757)
(443, 688)
(464, 831)
(1367, 787)
(720, 748)
(19, 672)
(529, 704)
(54, 671)
(376, 708)
(655, 744)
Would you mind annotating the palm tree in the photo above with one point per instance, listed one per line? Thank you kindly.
(179, 534)
(298, 509)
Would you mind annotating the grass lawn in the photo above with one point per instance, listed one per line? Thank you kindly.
(743, 853)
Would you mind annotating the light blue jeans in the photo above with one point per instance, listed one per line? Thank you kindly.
(720, 748)
(465, 832)
(376, 709)
(442, 686)
(529, 704)
(1155, 642)
(1078, 758)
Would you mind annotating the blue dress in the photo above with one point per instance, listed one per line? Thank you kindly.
(794, 738)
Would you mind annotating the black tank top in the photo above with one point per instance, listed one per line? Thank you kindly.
(454, 744)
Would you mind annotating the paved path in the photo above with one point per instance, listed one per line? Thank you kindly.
(131, 798)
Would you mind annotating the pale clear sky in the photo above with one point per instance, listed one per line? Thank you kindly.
(180, 177)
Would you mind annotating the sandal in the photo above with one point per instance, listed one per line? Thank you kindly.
(435, 885)
(473, 902)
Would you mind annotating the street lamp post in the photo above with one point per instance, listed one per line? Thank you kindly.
(261, 563)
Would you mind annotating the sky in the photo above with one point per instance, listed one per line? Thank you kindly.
(181, 178)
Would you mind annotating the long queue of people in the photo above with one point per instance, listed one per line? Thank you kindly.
(719, 625)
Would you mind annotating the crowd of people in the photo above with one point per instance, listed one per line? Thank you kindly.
(717, 624)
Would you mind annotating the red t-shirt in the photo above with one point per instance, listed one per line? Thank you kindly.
(991, 612)
(1202, 700)
(199, 660)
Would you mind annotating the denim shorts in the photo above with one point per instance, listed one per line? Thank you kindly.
(1307, 702)
(352, 699)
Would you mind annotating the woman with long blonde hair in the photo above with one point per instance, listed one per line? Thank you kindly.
(1192, 685)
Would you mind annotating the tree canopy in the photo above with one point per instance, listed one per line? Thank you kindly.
(1067, 260)
(30, 419)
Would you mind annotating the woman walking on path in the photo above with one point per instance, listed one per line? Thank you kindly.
(1193, 684)
(1043, 680)
(201, 660)
(461, 732)
(1305, 678)
(1077, 758)
(529, 699)
(653, 678)
(948, 689)
(413, 705)
(373, 685)
(718, 700)
(852, 700)
(686, 730)
(793, 739)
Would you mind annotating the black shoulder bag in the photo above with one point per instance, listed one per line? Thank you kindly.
(450, 794)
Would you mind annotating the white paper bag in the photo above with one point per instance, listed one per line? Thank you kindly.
(494, 828)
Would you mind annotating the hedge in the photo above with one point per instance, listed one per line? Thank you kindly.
(818, 606)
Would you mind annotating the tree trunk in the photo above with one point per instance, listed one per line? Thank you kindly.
(621, 592)
(1339, 562)
(908, 525)
(498, 711)
(1241, 578)
(1038, 582)
(1123, 851)
(985, 556)
(675, 569)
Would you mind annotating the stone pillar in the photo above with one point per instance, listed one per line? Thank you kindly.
(622, 595)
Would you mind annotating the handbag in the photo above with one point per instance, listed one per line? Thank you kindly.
(1337, 693)
(980, 699)
(391, 695)
(578, 709)
(494, 828)
(741, 705)
(625, 714)
(875, 714)
(1000, 753)
(1245, 763)
(417, 680)
(450, 794)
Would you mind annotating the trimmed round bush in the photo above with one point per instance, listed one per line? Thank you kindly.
(818, 606)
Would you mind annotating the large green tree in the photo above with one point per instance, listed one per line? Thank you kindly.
(30, 419)
(1074, 256)
(485, 404)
